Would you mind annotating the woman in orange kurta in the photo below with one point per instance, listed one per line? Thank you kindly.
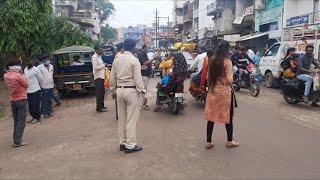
(219, 106)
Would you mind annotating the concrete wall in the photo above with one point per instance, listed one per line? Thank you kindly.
(294, 8)
(272, 13)
(242, 4)
(205, 21)
(225, 23)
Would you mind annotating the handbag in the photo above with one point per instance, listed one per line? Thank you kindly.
(233, 97)
(107, 78)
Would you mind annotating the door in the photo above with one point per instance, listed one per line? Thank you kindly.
(268, 61)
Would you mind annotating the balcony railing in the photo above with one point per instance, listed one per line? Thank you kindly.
(82, 15)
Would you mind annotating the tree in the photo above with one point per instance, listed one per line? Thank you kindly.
(106, 9)
(66, 34)
(25, 27)
(108, 33)
(28, 28)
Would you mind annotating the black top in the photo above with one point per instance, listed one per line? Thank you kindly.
(143, 57)
(240, 60)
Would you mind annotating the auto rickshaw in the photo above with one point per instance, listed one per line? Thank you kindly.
(73, 69)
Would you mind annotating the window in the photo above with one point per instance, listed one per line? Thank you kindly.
(274, 50)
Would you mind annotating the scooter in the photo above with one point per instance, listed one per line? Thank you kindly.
(293, 89)
(173, 96)
(249, 80)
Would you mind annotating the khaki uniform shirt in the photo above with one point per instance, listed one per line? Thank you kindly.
(126, 71)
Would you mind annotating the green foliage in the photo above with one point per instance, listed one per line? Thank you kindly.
(28, 28)
(65, 34)
(25, 26)
(108, 33)
(106, 9)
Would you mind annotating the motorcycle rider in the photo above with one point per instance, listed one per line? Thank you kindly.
(198, 62)
(304, 72)
(240, 60)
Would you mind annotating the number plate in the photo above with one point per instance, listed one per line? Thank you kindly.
(76, 87)
(179, 95)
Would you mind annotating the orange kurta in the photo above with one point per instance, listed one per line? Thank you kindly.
(218, 102)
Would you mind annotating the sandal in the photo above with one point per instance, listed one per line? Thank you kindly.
(209, 145)
(232, 144)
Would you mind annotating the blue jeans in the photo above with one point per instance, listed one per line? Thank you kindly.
(46, 101)
(308, 80)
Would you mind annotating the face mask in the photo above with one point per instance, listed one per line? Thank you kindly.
(47, 63)
(15, 68)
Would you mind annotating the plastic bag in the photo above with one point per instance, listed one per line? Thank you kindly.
(107, 78)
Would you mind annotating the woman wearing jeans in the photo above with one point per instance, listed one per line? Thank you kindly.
(33, 75)
(219, 102)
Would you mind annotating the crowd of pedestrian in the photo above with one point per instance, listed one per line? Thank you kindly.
(31, 88)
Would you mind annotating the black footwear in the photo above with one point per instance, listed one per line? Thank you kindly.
(122, 147)
(35, 121)
(31, 120)
(101, 110)
(104, 108)
(135, 149)
(20, 145)
(58, 104)
(314, 104)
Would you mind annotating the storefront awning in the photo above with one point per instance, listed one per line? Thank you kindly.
(245, 38)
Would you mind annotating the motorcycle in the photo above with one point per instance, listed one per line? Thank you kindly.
(173, 96)
(249, 80)
(293, 89)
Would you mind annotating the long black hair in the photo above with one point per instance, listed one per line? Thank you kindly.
(289, 50)
(216, 64)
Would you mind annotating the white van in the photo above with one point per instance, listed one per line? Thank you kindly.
(270, 67)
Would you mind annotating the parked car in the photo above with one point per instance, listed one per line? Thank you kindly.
(73, 69)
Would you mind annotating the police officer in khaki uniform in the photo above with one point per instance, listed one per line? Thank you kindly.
(127, 80)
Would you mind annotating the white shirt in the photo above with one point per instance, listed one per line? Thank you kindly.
(98, 67)
(251, 54)
(198, 63)
(126, 71)
(47, 76)
(34, 78)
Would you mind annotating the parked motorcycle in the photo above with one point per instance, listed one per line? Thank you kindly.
(249, 80)
(293, 89)
(173, 96)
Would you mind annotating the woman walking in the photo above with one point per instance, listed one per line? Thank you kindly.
(34, 77)
(219, 103)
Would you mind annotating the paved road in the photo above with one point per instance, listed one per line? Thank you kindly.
(278, 141)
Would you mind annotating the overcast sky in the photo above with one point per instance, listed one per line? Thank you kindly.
(133, 12)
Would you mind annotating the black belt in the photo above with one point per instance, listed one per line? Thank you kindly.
(127, 87)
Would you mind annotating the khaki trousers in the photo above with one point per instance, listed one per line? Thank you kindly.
(129, 111)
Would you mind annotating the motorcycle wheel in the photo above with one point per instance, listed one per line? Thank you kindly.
(290, 100)
(236, 87)
(175, 107)
(254, 89)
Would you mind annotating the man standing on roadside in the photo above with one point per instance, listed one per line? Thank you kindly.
(99, 75)
(126, 78)
(17, 84)
(47, 85)
(145, 70)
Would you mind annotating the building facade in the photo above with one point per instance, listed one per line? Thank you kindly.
(81, 13)
(269, 16)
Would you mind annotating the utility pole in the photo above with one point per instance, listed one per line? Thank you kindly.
(157, 28)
